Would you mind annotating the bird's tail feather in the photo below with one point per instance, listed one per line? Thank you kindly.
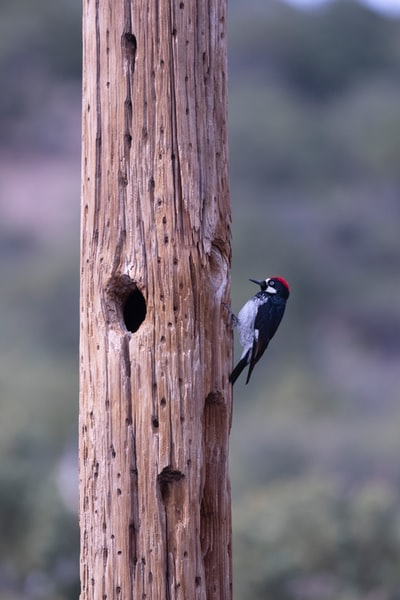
(238, 369)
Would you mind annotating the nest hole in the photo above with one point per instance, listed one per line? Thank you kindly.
(134, 310)
(126, 306)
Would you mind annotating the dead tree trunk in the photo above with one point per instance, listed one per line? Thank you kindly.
(155, 402)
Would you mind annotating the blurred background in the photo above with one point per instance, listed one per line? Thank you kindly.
(315, 182)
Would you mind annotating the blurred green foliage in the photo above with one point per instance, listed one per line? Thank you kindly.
(315, 169)
(312, 538)
(38, 438)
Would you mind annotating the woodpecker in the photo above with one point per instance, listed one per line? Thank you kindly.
(258, 321)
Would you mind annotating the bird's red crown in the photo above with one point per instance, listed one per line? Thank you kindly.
(283, 282)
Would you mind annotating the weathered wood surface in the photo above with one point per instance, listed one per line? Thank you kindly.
(155, 405)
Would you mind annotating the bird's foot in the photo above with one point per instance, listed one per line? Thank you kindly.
(233, 317)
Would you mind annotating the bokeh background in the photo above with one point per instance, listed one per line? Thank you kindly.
(315, 182)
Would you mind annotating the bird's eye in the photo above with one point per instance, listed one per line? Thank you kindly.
(271, 282)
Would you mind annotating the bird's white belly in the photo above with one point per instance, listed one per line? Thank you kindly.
(246, 318)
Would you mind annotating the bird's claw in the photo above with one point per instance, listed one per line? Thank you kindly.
(232, 315)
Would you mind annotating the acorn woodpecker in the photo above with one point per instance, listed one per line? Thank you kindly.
(258, 321)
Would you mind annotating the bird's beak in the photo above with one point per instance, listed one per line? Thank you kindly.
(259, 282)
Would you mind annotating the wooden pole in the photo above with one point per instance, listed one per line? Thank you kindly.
(155, 402)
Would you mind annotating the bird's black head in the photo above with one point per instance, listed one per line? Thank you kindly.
(274, 286)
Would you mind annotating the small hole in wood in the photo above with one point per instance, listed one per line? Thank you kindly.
(166, 479)
(129, 45)
(134, 310)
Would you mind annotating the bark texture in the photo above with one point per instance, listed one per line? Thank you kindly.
(155, 402)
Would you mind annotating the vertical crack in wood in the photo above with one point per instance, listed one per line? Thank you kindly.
(128, 48)
(98, 161)
(168, 478)
(126, 367)
(214, 508)
(175, 156)
(134, 504)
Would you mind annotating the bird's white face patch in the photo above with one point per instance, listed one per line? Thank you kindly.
(270, 289)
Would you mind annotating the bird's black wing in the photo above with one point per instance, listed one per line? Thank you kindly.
(266, 324)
